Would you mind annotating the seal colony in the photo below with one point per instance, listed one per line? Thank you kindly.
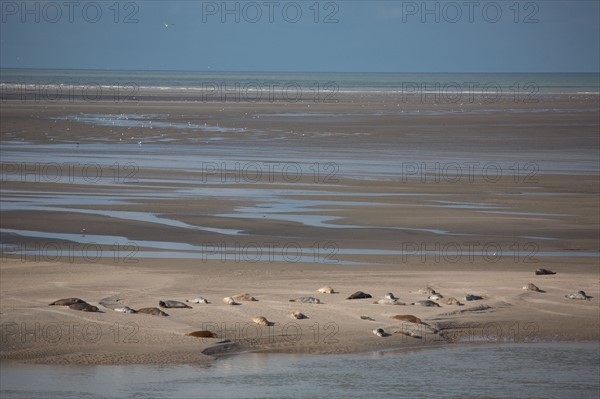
(410, 326)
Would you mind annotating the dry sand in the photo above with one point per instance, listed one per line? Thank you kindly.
(34, 331)
(558, 205)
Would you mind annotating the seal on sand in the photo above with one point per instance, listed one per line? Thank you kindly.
(390, 296)
(436, 297)
(202, 334)
(125, 309)
(359, 295)
(197, 300)
(471, 297)
(173, 304)
(578, 295)
(229, 301)
(66, 302)
(531, 287)
(379, 332)
(426, 302)
(262, 321)
(367, 318)
(453, 301)
(306, 299)
(427, 291)
(298, 315)
(386, 301)
(244, 297)
(406, 317)
(407, 333)
(326, 290)
(84, 307)
(152, 311)
(542, 272)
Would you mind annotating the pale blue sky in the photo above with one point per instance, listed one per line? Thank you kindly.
(369, 36)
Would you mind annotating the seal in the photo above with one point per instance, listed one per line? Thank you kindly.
(390, 296)
(202, 334)
(427, 303)
(543, 272)
(197, 300)
(244, 297)
(112, 302)
(298, 315)
(307, 299)
(379, 332)
(125, 309)
(471, 297)
(406, 317)
(66, 302)
(262, 321)
(453, 301)
(326, 290)
(359, 295)
(367, 318)
(84, 307)
(578, 295)
(531, 287)
(152, 311)
(386, 301)
(229, 301)
(173, 304)
(436, 297)
(407, 333)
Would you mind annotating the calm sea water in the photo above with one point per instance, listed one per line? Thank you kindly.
(543, 370)
(548, 83)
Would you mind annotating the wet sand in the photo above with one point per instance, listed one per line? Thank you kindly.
(379, 206)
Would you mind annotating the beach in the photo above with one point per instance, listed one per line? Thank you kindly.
(174, 198)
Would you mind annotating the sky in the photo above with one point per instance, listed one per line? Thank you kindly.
(303, 36)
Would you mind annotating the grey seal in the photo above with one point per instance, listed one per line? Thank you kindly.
(299, 315)
(531, 287)
(453, 301)
(471, 297)
(379, 332)
(408, 333)
(426, 302)
(390, 296)
(229, 301)
(202, 334)
(173, 304)
(84, 307)
(578, 295)
(386, 301)
(359, 295)
(66, 302)
(326, 290)
(125, 309)
(543, 272)
(262, 321)
(307, 299)
(198, 300)
(406, 317)
(152, 311)
(436, 297)
(244, 297)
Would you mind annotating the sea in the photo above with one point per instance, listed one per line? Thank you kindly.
(511, 371)
(184, 81)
